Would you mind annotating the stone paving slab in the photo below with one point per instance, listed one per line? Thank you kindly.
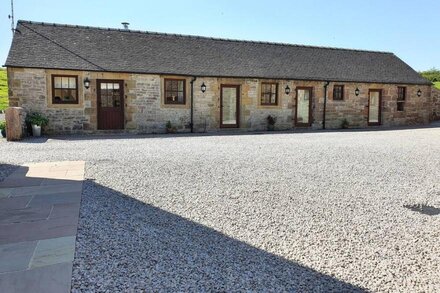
(16, 256)
(53, 251)
(48, 279)
(28, 214)
(35, 190)
(15, 202)
(39, 210)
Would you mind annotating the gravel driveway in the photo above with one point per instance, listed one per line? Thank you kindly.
(278, 212)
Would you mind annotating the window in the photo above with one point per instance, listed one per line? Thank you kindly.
(401, 96)
(64, 89)
(175, 92)
(269, 94)
(338, 92)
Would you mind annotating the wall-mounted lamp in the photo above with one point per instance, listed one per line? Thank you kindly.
(419, 93)
(87, 83)
(203, 87)
(357, 92)
(287, 90)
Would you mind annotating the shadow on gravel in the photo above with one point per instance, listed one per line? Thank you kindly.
(229, 132)
(126, 245)
(424, 209)
(6, 170)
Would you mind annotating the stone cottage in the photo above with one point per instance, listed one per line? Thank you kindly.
(88, 79)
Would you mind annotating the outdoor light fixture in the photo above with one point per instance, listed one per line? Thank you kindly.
(203, 87)
(87, 83)
(419, 93)
(357, 91)
(287, 90)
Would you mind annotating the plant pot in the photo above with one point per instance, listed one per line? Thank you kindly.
(3, 132)
(36, 130)
(171, 130)
(270, 127)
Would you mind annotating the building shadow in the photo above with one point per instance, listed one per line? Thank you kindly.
(226, 132)
(126, 245)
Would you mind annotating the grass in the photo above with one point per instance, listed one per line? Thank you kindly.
(3, 89)
(437, 84)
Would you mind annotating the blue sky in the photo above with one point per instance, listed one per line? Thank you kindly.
(410, 29)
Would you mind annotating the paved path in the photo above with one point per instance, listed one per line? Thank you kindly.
(39, 208)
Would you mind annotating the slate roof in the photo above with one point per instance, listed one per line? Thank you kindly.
(58, 46)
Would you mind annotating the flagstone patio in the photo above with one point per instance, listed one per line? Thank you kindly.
(39, 208)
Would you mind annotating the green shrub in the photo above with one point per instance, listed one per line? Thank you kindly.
(344, 123)
(170, 128)
(2, 125)
(271, 120)
(37, 119)
(432, 74)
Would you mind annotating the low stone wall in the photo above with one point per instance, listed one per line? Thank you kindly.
(146, 112)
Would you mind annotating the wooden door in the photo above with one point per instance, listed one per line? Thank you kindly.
(229, 106)
(110, 104)
(374, 109)
(303, 116)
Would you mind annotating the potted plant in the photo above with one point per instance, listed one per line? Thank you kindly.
(271, 120)
(3, 128)
(344, 123)
(37, 120)
(170, 128)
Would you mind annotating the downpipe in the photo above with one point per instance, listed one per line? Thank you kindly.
(191, 124)
(325, 103)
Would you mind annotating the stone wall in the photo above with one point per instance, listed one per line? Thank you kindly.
(146, 112)
(435, 104)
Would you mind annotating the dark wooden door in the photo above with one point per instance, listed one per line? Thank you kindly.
(374, 103)
(303, 116)
(110, 104)
(229, 106)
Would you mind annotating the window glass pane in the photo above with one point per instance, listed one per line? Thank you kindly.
(116, 86)
(57, 81)
(303, 106)
(180, 97)
(174, 91)
(103, 86)
(229, 103)
(168, 85)
(269, 93)
(68, 95)
(72, 82)
(103, 100)
(65, 82)
(57, 96)
(374, 107)
(401, 93)
(338, 92)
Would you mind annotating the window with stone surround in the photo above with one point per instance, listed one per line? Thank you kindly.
(175, 91)
(401, 96)
(64, 89)
(338, 92)
(269, 94)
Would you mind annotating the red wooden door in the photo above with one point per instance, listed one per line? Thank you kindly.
(110, 104)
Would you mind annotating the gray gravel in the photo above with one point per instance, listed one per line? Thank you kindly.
(280, 212)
